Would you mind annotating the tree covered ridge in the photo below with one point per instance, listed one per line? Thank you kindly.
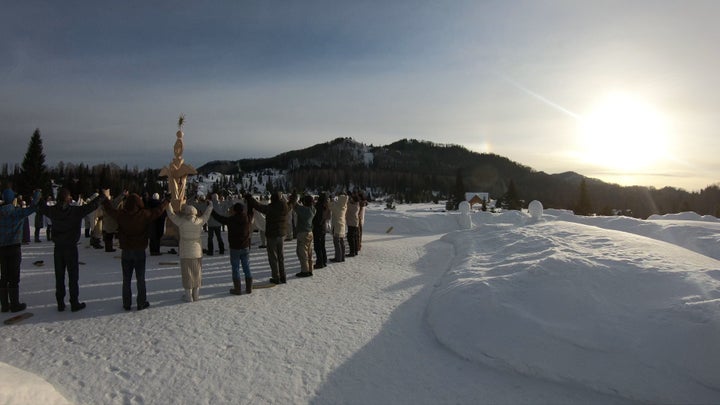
(410, 170)
(419, 171)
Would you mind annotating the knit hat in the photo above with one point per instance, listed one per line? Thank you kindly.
(8, 196)
(189, 210)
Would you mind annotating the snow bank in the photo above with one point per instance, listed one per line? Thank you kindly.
(19, 387)
(685, 216)
(701, 236)
(619, 313)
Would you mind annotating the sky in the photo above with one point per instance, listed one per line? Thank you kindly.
(562, 309)
(620, 91)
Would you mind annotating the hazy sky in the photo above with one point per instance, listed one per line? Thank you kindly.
(625, 91)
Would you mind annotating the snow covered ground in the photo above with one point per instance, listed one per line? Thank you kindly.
(562, 310)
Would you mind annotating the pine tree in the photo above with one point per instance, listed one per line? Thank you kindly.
(584, 207)
(511, 197)
(34, 172)
(459, 191)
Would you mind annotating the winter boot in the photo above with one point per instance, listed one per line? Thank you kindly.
(237, 287)
(196, 294)
(15, 304)
(248, 285)
(187, 297)
(4, 300)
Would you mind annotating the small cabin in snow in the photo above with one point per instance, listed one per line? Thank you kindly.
(477, 198)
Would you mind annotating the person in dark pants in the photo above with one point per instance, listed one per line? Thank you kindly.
(39, 225)
(157, 228)
(239, 224)
(11, 222)
(134, 222)
(276, 227)
(320, 224)
(213, 227)
(67, 220)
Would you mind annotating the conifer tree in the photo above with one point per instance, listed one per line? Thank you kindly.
(34, 172)
(511, 197)
(584, 207)
(459, 189)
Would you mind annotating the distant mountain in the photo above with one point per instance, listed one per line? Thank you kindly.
(416, 170)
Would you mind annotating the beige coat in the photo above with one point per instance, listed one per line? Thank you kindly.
(338, 209)
(190, 229)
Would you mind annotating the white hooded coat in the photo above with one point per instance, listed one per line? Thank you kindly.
(190, 229)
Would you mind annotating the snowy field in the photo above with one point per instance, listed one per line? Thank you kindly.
(575, 310)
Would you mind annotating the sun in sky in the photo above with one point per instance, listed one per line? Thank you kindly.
(623, 133)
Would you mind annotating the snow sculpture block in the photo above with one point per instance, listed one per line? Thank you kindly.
(535, 209)
(464, 220)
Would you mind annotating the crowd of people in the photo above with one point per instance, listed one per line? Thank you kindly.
(140, 222)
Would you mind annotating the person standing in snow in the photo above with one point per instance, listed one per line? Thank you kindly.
(11, 223)
(39, 225)
(190, 229)
(239, 224)
(109, 223)
(89, 218)
(338, 208)
(352, 218)
(319, 229)
(133, 225)
(26, 222)
(276, 224)
(361, 216)
(48, 222)
(67, 221)
(259, 224)
(157, 228)
(304, 225)
(214, 227)
(292, 217)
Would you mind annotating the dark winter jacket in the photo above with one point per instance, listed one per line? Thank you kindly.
(276, 214)
(305, 217)
(12, 219)
(238, 228)
(322, 216)
(133, 221)
(67, 220)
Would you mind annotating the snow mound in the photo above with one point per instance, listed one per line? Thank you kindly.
(20, 387)
(699, 236)
(684, 216)
(618, 313)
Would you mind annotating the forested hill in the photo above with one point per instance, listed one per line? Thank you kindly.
(418, 171)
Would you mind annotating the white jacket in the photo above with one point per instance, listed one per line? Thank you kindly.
(338, 208)
(190, 229)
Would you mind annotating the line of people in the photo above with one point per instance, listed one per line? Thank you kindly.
(309, 218)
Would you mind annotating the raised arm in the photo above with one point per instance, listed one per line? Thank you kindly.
(171, 214)
(220, 218)
(207, 213)
(90, 205)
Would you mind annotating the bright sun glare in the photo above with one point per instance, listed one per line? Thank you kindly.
(622, 132)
